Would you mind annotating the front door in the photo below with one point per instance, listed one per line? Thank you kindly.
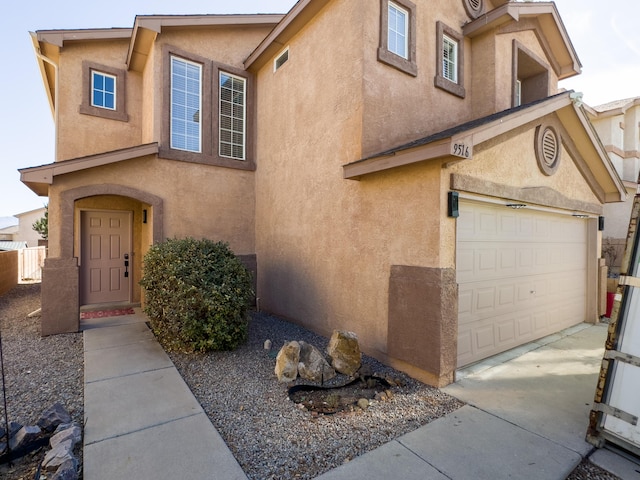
(105, 256)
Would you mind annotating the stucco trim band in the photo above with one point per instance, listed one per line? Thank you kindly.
(543, 196)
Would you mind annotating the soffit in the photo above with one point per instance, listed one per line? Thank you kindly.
(584, 142)
(147, 27)
(548, 24)
(39, 178)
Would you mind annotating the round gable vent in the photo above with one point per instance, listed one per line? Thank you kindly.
(474, 8)
(547, 149)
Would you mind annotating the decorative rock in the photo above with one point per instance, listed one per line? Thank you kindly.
(24, 436)
(312, 365)
(287, 362)
(363, 403)
(53, 417)
(267, 344)
(59, 454)
(344, 351)
(67, 471)
(72, 432)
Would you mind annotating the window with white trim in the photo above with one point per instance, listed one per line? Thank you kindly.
(103, 90)
(450, 59)
(232, 116)
(398, 30)
(186, 105)
(397, 46)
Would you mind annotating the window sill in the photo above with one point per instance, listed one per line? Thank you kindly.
(449, 86)
(395, 61)
(204, 159)
(103, 113)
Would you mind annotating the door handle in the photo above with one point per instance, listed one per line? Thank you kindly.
(126, 265)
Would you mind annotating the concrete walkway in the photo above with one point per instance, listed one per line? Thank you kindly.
(526, 416)
(141, 420)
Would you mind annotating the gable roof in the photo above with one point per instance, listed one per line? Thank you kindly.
(548, 27)
(598, 170)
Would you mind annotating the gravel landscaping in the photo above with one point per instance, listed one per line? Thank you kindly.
(39, 371)
(271, 436)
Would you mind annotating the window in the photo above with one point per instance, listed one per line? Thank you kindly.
(281, 60)
(450, 58)
(398, 27)
(232, 116)
(518, 94)
(104, 91)
(398, 35)
(186, 81)
(207, 113)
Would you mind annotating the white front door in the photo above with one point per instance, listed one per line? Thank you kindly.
(522, 274)
(105, 263)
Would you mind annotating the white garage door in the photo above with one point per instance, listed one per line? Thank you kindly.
(521, 274)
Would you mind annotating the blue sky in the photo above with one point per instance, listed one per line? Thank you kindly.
(604, 34)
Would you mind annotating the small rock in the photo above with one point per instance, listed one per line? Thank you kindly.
(59, 454)
(53, 417)
(363, 403)
(24, 436)
(267, 344)
(381, 397)
(72, 433)
(389, 394)
(68, 470)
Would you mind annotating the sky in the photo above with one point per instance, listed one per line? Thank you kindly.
(604, 35)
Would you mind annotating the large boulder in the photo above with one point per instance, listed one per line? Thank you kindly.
(344, 352)
(287, 362)
(64, 432)
(25, 435)
(312, 365)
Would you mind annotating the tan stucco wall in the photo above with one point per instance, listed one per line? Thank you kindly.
(198, 200)
(77, 134)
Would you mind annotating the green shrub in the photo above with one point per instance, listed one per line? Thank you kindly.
(197, 293)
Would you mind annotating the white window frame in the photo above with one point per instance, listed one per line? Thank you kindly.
(93, 89)
(450, 65)
(392, 31)
(518, 93)
(232, 130)
(198, 112)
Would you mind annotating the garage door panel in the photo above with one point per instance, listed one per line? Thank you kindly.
(521, 276)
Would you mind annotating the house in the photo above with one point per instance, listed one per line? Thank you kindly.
(26, 232)
(618, 126)
(408, 171)
(7, 234)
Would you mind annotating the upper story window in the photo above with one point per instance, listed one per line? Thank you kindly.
(103, 91)
(450, 60)
(398, 27)
(398, 35)
(186, 105)
(207, 111)
(232, 116)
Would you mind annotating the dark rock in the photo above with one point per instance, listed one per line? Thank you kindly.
(24, 436)
(68, 470)
(53, 417)
(58, 455)
(312, 365)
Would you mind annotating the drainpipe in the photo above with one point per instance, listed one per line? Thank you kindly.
(46, 59)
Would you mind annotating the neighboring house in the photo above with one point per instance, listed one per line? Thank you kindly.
(618, 126)
(406, 171)
(9, 234)
(25, 226)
